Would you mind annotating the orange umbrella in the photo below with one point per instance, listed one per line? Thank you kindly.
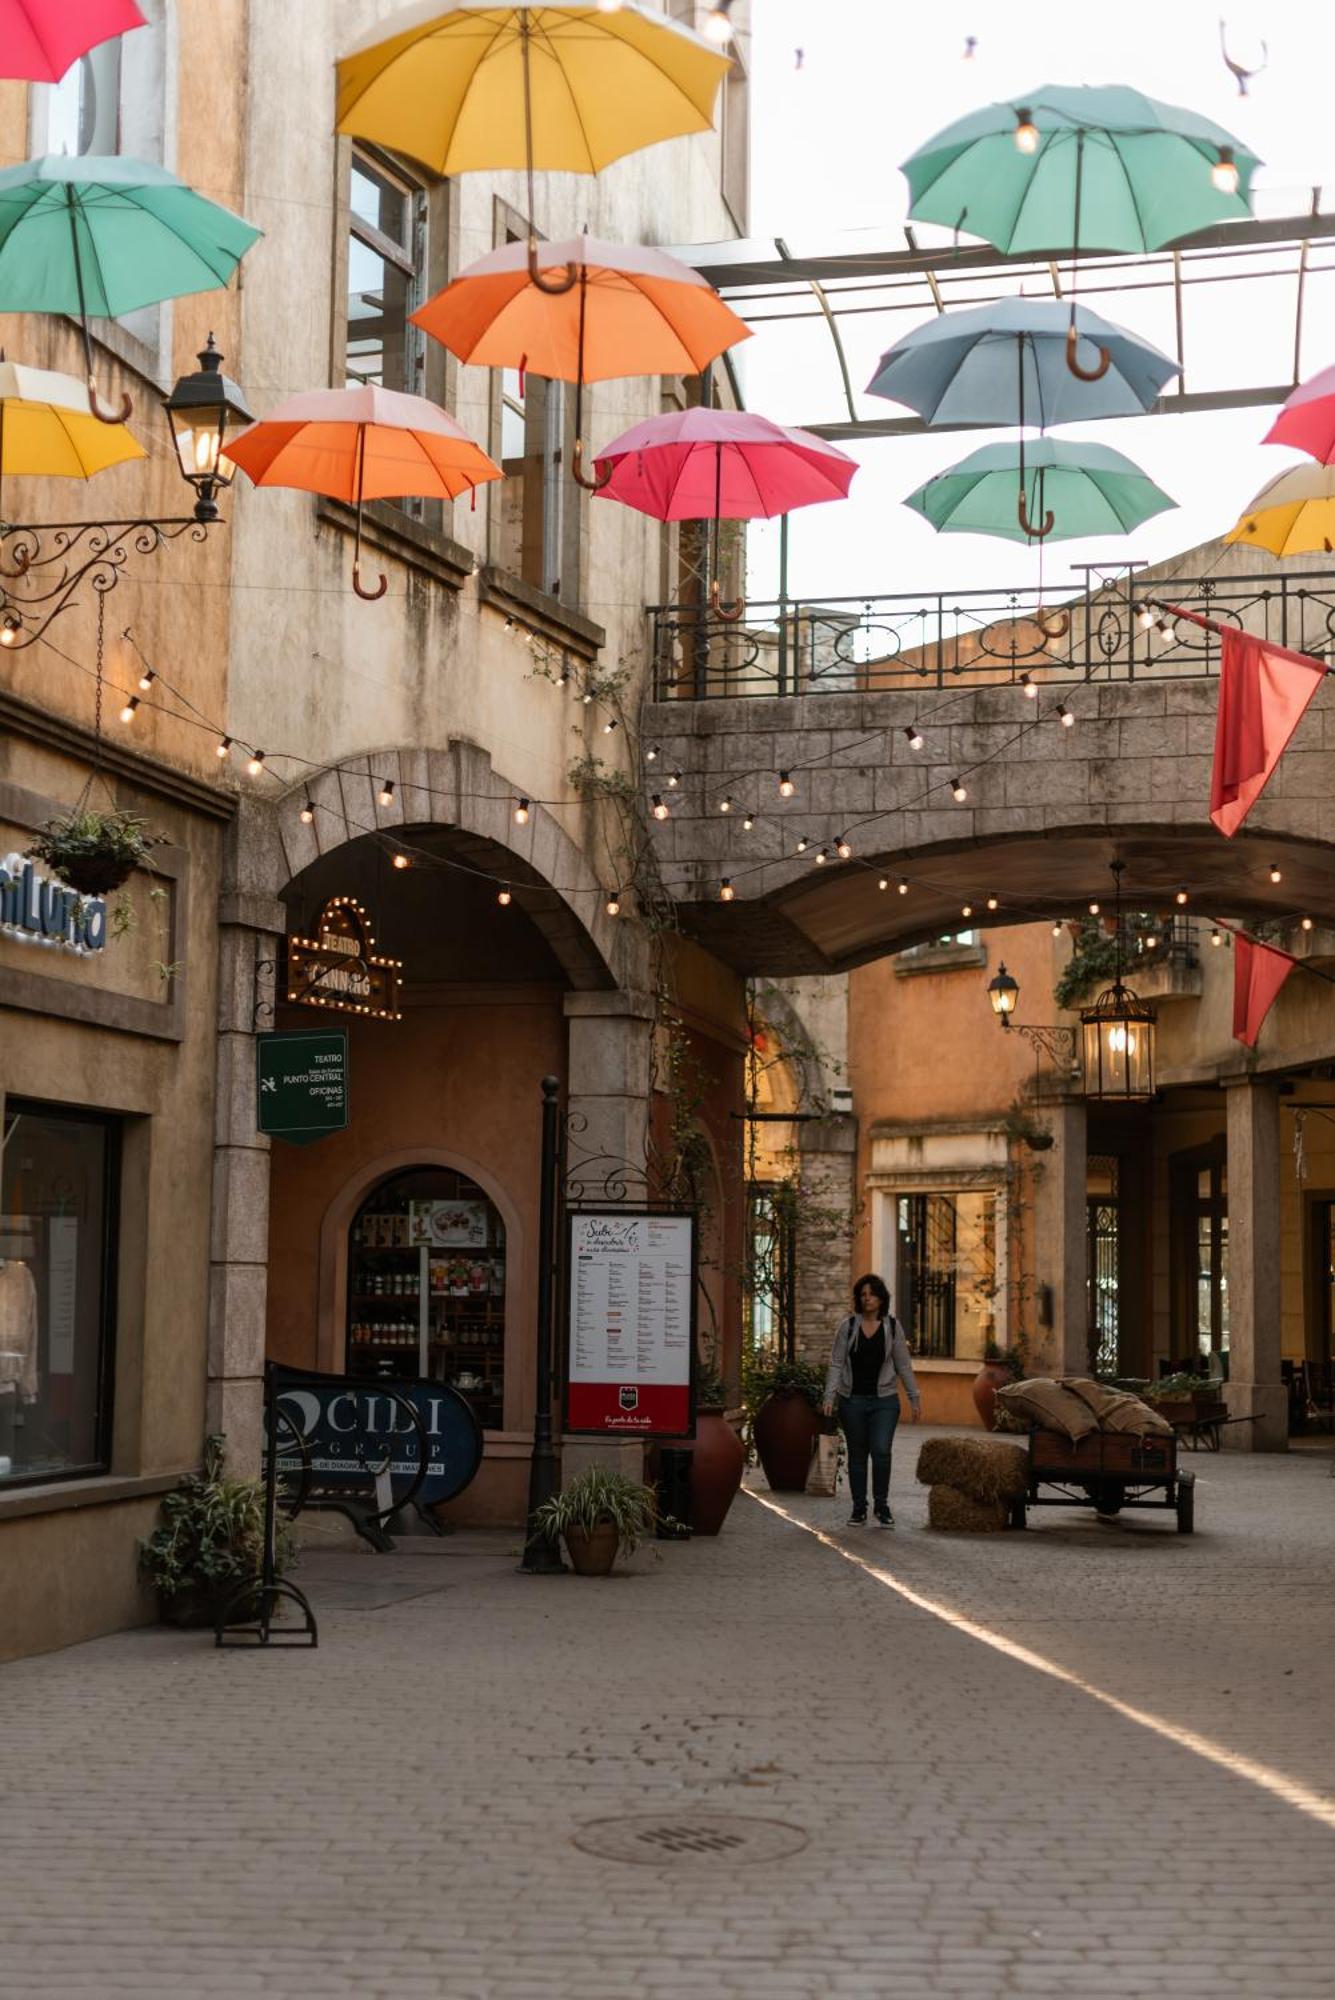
(362, 444)
(632, 311)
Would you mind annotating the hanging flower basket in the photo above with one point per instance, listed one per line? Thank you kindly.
(94, 852)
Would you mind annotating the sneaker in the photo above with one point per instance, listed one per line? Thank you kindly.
(858, 1518)
(884, 1517)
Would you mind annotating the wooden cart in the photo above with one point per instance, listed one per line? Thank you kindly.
(1108, 1470)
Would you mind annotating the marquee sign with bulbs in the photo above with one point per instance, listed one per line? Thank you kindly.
(339, 968)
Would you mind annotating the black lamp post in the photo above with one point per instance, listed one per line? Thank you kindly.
(202, 409)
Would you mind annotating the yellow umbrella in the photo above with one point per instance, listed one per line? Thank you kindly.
(47, 427)
(1293, 515)
(562, 87)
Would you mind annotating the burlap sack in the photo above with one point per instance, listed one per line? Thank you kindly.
(1117, 1409)
(1050, 1406)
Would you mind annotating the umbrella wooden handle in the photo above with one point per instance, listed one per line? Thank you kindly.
(1022, 510)
(599, 480)
(1072, 362)
(557, 286)
(731, 614)
(104, 412)
(370, 595)
(1050, 625)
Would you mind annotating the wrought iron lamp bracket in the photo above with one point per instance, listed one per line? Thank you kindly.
(52, 559)
(1058, 1044)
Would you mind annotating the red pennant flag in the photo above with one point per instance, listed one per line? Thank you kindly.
(1263, 691)
(1258, 973)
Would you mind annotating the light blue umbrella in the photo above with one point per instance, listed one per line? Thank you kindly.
(1005, 363)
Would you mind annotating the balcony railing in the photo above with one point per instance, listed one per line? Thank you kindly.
(962, 638)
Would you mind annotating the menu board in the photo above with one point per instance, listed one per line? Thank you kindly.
(631, 1323)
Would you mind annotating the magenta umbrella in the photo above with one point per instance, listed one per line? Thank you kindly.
(39, 39)
(721, 465)
(1307, 419)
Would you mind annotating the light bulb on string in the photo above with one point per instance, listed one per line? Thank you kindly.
(610, 724)
(1030, 686)
(614, 905)
(843, 847)
(1307, 923)
(147, 678)
(1224, 172)
(966, 909)
(992, 902)
(255, 763)
(747, 823)
(725, 889)
(958, 791)
(902, 886)
(1276, 874)
(1026, 132)
(884, 882)
(786, 786)
(725, 805)
(1093, 909)
(674, 779)
(822, 857)
(503, 897)
(223, 747)
(1064, 716)
(402, 860)
(1145, 616)
(307, 814)
(652, 754)
(387, 792)
(718, 23)
(1216, 935)
(1182, 898)
(521, 813)
(1056, 930)
(802, 843)
(128, 712)
(11, 625)
(914, 735)
(657, 807)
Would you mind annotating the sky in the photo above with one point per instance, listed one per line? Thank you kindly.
(877, 78)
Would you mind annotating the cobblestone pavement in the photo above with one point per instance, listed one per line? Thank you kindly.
(395, 1813)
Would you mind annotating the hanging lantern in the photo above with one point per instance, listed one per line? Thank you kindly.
(1003, 992)
(1117, 1045)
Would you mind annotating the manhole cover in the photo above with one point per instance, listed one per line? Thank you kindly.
(657, 1839)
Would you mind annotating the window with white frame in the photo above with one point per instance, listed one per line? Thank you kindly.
(386, 276)
(531, 498)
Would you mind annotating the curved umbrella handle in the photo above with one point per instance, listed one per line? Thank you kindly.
(1052, 626)
(557, 286)
(105, 412)
(599, 480)
(1072, 362)
(371, 596)
(1022, 510)
(731, 614)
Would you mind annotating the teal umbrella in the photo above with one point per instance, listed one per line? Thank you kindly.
(98, 237)
(1069, 168)
(1067, 489)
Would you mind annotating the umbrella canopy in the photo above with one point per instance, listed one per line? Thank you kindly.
(1087, 488)
(1307, 419)
(451, 85)
(1292, 515)
(635, 311)
(48, 428)
(1005, 363)
(39, 39)
(1145, 173)
(362, 444)
(709, 465)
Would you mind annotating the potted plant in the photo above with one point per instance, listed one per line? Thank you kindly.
(1022, 1126)
(209, 1542)
(717, 1457)
(784, 1400)
(1001, 1365)
(94, 852)
(599, 1516)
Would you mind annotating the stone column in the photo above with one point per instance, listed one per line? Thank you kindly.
(827, 1148)
(1254, 1388)
(608, 1085)
(1061, 1246)
(252, 925)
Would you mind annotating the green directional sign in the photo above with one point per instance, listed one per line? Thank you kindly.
(302, 1087)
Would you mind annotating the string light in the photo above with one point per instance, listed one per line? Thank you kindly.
(610, 724)
(958, 791)
(1224, 172)
(652, 754)
(1056, 930)
(1216, 935)
(127, 713)
(884, 882)
(147, 678)
(1093, 909)
(1307, 923)
(803, 844)
(586, 698)
(402, 860)
(966, 909)
(674, 779)
(786, 786)
(614, 904)
(223, 747)
(843, 847)
(822, 857)
(1030, 687)
(1182, 899)
(1064, 716)
(902, 886)
(725, 889)
(307, 814)
(1145, 616)
(718, 23)
(255, 763)
(521, 813)
(748, 823)
(991, 902)
(504, 898)
(725, 805)
(387, 791)
(657, 807)
(915, 737)
(10, 627)
(1275, 873)
(1026, 132)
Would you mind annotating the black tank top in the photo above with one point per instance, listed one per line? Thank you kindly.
(868, 1359)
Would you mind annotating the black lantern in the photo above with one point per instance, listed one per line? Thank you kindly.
(202, 409)
(1117, 1035)
(1003, 992)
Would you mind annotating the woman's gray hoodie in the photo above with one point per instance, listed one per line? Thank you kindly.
(839, 1380)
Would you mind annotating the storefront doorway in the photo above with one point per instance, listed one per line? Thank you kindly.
(426, 1286)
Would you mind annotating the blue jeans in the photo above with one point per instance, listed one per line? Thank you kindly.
(869, 1426)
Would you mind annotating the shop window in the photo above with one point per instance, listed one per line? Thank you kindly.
(947, 1273)
(426, 1286)
(386, 277)
(57, 1230)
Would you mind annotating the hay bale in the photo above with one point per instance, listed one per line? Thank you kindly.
(980, 1468)
(948, 1509)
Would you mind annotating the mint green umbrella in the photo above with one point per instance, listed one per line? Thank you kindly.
(1045, 491)
(97, 237)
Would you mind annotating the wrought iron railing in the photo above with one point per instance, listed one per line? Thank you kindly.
(1104, 631)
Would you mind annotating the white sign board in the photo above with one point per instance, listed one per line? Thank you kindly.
(631, 1333)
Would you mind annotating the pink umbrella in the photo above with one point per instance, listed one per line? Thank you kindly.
(39, 39)
(717, 465)
(1307, 419)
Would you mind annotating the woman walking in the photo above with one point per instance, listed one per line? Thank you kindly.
(869, 1360)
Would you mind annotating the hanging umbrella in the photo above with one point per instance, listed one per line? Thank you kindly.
(634, 311)
(715, 465)
(1307, 419)
(1073, 490)
(1292, 515)
(98, 237)
(1073, 168)
(1005, 363)
(362, 444)
(39, 39)
(559, 87)
(47, 427)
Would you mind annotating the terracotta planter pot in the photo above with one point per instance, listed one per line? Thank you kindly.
(593, 1554)
(717, 1464)
(993, 1375)
(785, 1430)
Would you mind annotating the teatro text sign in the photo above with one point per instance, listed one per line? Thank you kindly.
(302, 1084)
(339, 969)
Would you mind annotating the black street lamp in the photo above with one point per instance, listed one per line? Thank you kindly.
(201, 409)
(1059, 1043)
